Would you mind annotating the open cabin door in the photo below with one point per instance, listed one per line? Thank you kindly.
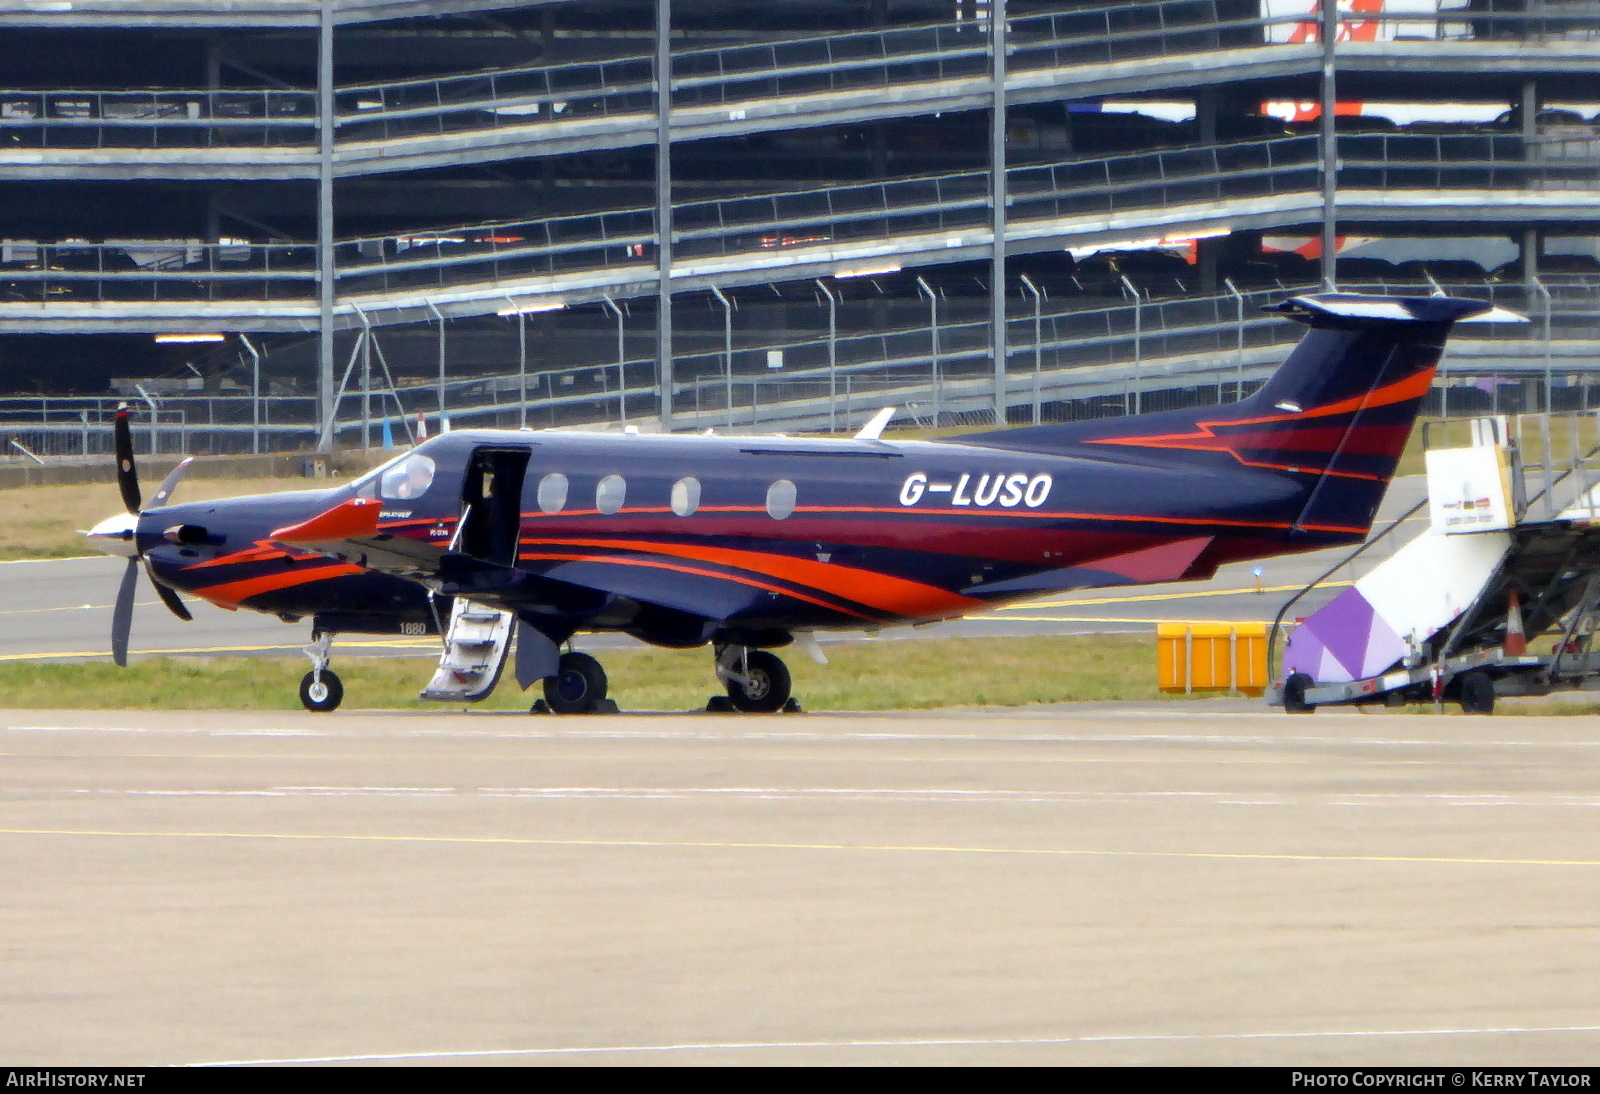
(478, 636)
(491, 498)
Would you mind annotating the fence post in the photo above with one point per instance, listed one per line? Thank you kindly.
(1238, 370)
(1038, 340)
(1138, 349)
(833, 355)
(622, 364)
(933, 336)
(727, 352)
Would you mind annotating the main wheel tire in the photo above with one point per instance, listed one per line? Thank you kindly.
(1475, 693)
(321, 695)
(579, 683)
(1294, 694)
(769, 686)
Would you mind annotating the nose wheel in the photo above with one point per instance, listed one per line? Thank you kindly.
(321, 690)
(324, 694)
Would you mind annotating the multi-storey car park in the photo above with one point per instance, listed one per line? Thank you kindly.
(498, 211)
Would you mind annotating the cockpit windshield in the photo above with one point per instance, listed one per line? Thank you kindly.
(406, 478)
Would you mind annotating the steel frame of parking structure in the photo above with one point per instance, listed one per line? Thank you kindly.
(1020, 57)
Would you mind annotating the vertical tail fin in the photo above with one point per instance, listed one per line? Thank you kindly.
(1337, 413)
(1343, 405)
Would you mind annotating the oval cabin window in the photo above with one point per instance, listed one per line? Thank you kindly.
(610, 494)
(553, 492)
(685, 496)
(780, 499)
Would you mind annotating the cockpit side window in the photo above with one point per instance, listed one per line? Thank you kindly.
(407, 479)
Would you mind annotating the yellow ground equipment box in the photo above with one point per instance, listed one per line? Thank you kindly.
(1212, 657)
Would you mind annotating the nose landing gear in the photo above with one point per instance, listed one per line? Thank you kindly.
(321, 690)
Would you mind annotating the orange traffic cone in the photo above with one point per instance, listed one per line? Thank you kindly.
(1516, 641)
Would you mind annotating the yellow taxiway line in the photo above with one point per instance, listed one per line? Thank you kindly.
(427, 644)
(424, 644)
(1034, 605)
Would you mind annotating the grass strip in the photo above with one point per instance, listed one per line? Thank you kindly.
(45, 521)
(869, 675)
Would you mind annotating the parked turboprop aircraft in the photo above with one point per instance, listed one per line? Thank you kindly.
(747, 544)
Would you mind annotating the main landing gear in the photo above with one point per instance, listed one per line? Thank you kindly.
(757, 681)
(321, 690)
(578, 687)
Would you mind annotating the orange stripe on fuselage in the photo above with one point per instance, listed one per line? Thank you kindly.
(920, 510)
(1129, 519)
(263, 551)
(876, 590)
(553, 556)
(234, 593)
(1414, 386)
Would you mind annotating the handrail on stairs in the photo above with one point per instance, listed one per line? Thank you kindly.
(1277, 621)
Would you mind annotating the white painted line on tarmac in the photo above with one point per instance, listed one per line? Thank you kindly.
(811, 736)
(166, 730)
(964, 1042)
(993, 738)
(859, 794)
(656, 845)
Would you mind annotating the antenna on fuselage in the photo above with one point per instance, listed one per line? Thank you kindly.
(873, 430)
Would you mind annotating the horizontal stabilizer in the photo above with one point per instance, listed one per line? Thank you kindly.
(1352, 310)
(1495, 315)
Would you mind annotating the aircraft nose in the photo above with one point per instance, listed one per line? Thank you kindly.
(115, 535)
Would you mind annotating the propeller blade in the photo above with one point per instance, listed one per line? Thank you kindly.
(127, 473)
(122, 616)
(164, 492)
(168, 597)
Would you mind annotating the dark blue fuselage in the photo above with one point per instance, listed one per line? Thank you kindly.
(685, 539)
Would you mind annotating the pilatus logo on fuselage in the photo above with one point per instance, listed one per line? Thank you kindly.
(1008, 491)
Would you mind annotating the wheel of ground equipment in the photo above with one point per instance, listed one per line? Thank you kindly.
(768, 688)
(1294, 694)
(578, 684)
(321, 695)
(1475, 693)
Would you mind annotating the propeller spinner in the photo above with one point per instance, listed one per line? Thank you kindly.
(118, 535)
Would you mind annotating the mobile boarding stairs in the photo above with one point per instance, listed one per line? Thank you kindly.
(1498, 595)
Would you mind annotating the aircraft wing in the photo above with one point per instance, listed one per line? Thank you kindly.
(351, 531)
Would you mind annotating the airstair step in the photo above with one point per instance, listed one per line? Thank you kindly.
(475, 648)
